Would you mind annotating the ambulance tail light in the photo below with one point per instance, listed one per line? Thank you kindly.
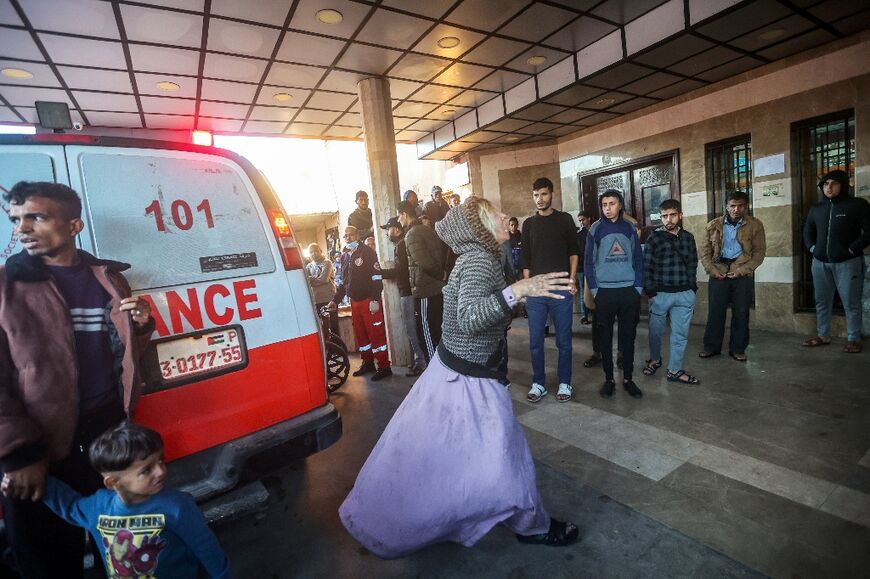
(286, 242)
(203, 138)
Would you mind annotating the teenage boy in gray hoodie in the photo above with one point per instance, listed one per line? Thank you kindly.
(614, 272)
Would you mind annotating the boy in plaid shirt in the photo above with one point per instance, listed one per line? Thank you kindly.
(670, 281)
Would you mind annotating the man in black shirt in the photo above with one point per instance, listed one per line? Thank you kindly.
(549, 242)
(361, 217)
(585, 219)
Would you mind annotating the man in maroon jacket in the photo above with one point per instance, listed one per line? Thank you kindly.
(70, 339)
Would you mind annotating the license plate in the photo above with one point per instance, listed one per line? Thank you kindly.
(205, 353)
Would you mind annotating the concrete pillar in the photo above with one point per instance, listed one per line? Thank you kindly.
(380, 140)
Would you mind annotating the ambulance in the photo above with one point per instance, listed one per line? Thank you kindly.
(235, 375)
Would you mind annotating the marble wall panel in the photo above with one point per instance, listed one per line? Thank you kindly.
(515, 186)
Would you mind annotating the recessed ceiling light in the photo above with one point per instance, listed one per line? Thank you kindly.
(536, 60)
(448, 112)
(16, 73)
(511, 138)
(607, 101)
(329, 16)
(771, 34)
(282, 97)
(168, 86)
(448, 42)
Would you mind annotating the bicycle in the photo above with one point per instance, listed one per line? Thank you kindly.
(337, 362)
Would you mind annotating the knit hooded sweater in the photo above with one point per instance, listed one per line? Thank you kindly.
(476, 313)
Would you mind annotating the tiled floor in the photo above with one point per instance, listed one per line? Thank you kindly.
(764, 461)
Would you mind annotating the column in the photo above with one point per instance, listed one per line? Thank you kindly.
(380, 140)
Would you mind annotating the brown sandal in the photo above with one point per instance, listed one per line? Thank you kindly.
(852, 348)
(816, 341)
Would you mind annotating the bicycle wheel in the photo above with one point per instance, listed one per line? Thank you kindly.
(337, 366)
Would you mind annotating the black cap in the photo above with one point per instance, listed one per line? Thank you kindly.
(392, 222)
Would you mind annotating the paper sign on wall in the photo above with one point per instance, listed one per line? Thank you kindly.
(771, 165)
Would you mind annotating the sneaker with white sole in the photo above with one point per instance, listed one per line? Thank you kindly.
(536, 393)
(566, 392)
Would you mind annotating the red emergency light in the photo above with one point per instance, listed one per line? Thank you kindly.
(202, 138)
(286, 242)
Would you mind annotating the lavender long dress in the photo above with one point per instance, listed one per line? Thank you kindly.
(452, 463)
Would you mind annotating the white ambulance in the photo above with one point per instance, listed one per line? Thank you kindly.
(236, 373)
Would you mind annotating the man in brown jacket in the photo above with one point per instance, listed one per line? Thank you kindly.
(731, 249)
(426, 270)
(70, 338)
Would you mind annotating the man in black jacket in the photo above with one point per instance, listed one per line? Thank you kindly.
(400, 274)
(836, 232)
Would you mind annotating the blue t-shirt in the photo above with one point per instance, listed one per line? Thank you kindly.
(87, 301)
(166, 537)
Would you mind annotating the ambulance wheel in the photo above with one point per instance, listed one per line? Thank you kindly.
(337, 366)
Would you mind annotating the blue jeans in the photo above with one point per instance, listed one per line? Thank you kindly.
(847, 278)
(561, 311)
(679, 306)
(583, 312)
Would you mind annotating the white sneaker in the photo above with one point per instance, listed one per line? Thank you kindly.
(566, 392)
(536, 393)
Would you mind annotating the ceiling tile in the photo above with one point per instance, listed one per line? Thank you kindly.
(427, 125)
(562, 131)
(801, 43)
(835, 9)
(350, 120)
(19, 44)
(706, 60)
(748, 18)
(570, 116)
(429, 43)
(574, 95)
(619, 75)
(345, 132)
(9, 16)
(579, 34)
(419, 67)
(508, 125)
(537, 22)
(411, 135)
(440, 155)
(552, 57)
(162, 26)
(330, 101)
(633, 105)
(268, 11)
(400, 123)
(219, 125)
(30, 115)
(501, 80)
(192, 5)
(42, 74)
(309, 49)
(98, 53)
(673, 51)
(305, 17)
(267, 96)
(167, 105)
(274, 114)
(481, 136)
(539, 111)
(26, 96)
(233, 92)
(305, 129)
(622, 11)
(471, 98)
(485, 14)
(677, 89)
(309, 116)
(226, 67)
(598, 118)
(496, 51)
(131, 120)
(780, 30)
(97, 101)
(177, 122)
(342, 81)
(651, 83)
(730, 69)
(147, 84)
(390, 28)
(295, 75)
(161, 59)
(448, 113)
(223, 110)
(238, 38)
(430, 8)
(434, 93)
(606, 100)
(460, 146)
(400, 89)
(69, 16)
(7, 116)
(854, 24)
(265, 127)
(412, 109)
(369, 59)
(539, 128)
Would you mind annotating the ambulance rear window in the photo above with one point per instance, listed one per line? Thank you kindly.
(176, 220)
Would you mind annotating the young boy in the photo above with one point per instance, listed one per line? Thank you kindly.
(142, 529)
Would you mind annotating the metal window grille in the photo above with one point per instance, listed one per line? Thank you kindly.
(729, 168)
(822, 144)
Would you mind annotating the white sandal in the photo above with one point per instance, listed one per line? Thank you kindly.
(566, 393)
(536, 393)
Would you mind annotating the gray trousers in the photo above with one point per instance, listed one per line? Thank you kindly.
(411, 329)
(847, 278)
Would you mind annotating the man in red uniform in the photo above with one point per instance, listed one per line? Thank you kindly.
(361, 281)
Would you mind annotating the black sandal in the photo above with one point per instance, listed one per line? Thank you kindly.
(559, 535)
(679, 378)
(652, 366)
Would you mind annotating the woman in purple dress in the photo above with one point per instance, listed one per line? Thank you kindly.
(453, 462)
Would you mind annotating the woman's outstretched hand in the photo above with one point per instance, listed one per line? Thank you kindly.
(543, 286)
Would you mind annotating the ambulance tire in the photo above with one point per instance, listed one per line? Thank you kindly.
(337, 366)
